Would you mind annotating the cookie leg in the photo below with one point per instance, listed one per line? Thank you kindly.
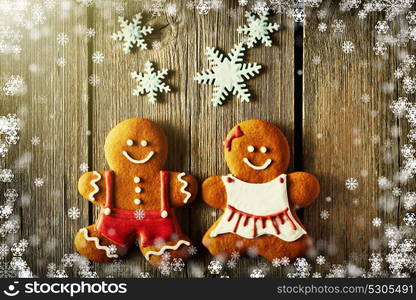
(94, 246)
(222, 246)
(178, 248)
(271, 247)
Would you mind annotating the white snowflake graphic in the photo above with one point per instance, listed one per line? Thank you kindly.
(14, 85)
(39, 182)
(410, 219)
(90, 32)
(382, 27)
(228, 74)
(62, 39)
(347, 47)
(113, 249)
(35, 140)
(74, 213)
(322, 27)
(380, 48)
(97, 57)
(6, 175)
(177, 265)
(376, 222)
(132, 33)
(409, 200)
(320, 260)
(324, 214)
(192, 250)
(139, 214)
(351, 183)
(4, 251)
(150, 82)
(258, 29)
(61, 62)
(83, 167)
(94, 79)
(215, 267)
(257, 273)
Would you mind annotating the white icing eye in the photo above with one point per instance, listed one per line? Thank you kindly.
(143, 143)
(130, 142)
(263, 149)
(250, 148)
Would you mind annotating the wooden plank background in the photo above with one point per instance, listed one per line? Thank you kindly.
(336, 135)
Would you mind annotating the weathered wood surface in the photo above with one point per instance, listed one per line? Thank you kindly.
(343, 137)
(337, 139)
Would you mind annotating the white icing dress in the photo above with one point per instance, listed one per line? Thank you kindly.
(256, 209)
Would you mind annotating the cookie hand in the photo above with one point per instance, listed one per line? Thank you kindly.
(303, 188)
(183, 188)
(213, 192)
(91, 185)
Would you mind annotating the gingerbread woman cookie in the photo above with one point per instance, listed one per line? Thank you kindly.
(258, 198)
(137, 198)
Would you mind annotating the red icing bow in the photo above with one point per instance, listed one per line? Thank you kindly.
(236, 134)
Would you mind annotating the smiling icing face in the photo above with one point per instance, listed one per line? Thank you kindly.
(256, 151)
(135, 143)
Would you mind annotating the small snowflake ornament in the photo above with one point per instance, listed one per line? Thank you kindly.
(228, 74)
(150, 82)
(258, 29)
(132, 33)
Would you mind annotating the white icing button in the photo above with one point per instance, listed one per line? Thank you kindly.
(250, 148)
(138, 189)
(137, 201)
(263, 149)
(136, 179)
(143, 143)
(107, 211)
(164, 214)
(129, 142)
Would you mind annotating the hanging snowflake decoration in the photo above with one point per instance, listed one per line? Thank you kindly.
(258, 29)
(228, 74)
(150, 82)
(132, 33)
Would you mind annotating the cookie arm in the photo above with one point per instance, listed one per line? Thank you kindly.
(91, 185)
(303, 188)
(214, 193)
(183, 188)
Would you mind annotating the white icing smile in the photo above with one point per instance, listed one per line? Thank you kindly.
(135, 161)
(262, 167)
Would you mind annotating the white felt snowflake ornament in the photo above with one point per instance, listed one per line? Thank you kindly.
(258, 29)
(132, 33)
(150, 82)
(228, 74)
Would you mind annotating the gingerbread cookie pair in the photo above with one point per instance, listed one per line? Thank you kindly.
(138, 198)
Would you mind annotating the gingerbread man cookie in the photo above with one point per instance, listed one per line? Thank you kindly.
(258, 198)
(137, 198)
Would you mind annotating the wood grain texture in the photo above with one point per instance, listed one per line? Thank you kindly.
(272, 100)
(343, 138)
(54, 109)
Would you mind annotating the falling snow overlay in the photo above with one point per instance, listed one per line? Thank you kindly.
(228, 74)
(391, 34)
(150, 82)
(132, 33)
